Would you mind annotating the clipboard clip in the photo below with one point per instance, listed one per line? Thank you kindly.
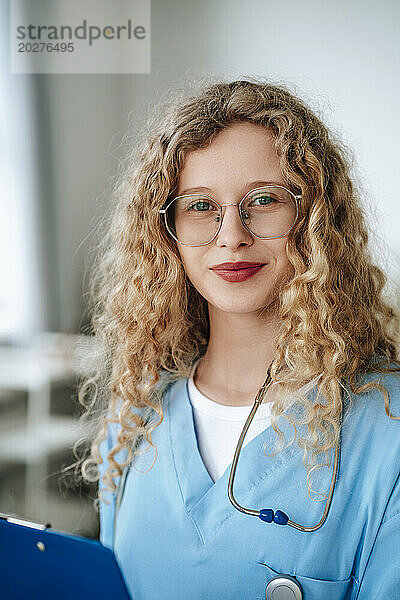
(24, 522)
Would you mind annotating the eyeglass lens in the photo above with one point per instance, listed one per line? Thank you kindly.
(267, 213)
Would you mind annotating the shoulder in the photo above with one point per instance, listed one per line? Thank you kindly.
(158, 394)
(378, 395)
(371, 440)
(373, 409)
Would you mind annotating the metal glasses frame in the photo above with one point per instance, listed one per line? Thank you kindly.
(258, 513)
(163, 211)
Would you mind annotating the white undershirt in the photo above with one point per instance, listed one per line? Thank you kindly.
(218, 426)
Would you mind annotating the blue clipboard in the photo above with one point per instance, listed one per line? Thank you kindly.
(41, 563)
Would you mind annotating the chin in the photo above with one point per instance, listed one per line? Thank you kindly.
(244, 307)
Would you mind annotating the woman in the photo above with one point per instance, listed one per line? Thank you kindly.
(238, 257)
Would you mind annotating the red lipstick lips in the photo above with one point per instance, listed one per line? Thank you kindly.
(233, 266)
(237, 271)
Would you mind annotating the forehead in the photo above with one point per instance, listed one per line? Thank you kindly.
(243, 151)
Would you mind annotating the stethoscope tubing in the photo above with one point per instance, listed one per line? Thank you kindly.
(268, 515)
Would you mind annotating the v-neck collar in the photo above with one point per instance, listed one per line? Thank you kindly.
(207, 501)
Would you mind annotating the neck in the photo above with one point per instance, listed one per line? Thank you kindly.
(240, 349)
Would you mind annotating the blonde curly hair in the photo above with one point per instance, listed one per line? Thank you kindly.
(335, 322)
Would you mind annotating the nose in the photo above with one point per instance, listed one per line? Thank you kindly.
(232, 233)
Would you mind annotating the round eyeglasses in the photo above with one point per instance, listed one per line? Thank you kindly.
(267, 212)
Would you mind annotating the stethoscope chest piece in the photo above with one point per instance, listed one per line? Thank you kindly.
(283, 587)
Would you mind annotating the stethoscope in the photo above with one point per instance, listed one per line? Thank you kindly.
(281, 587)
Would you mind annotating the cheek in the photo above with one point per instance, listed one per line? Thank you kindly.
(288, 270)
(284, 268)
(287, 264)
(191, 261)
(184, 258)
(277, 249)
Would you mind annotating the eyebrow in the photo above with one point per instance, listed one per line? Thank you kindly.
(247, 187)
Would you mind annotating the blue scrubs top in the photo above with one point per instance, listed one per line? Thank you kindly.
(178, 536)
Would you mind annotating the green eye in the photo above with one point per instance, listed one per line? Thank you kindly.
(200, 205)
(263, 200)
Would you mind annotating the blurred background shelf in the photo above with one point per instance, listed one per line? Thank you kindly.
(19, 444)
(38, 430)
